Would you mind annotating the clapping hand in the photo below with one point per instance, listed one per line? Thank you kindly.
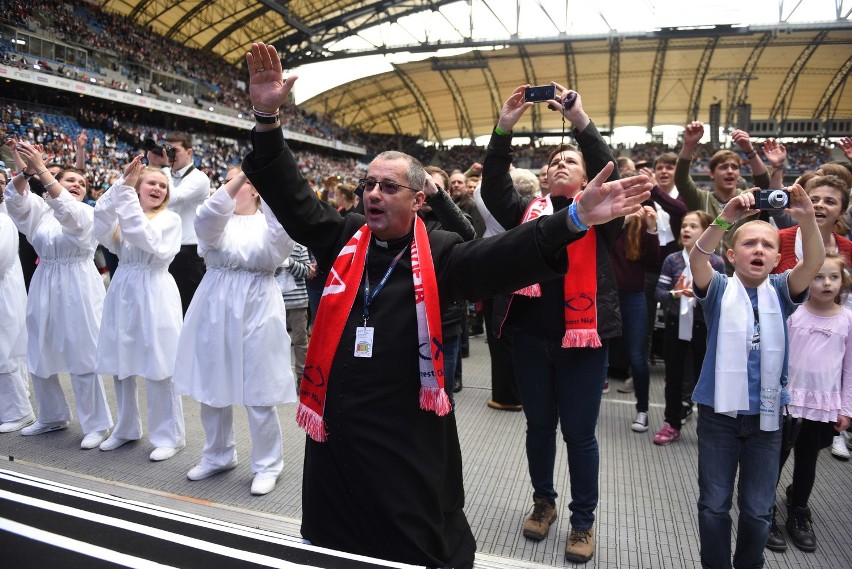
(132, 171)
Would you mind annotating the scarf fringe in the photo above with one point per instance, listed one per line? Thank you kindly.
(580, 338)
(434, 399)
(534, 290)
(311, 422)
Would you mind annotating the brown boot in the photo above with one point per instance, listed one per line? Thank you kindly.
(580, 546)
(538, 523)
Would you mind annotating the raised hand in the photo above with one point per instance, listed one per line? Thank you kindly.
(801, 207)
(603, 201)
(513, 109)
(267, 87)
(31, 154)
(132, 171)
(82, 139)
(693, 133)
(573, 111)
(774, 152)
(743, 140)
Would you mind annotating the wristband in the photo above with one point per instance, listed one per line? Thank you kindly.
(501, 132)
(42, 172)
(575, 218)
(271, 119)
(719, 222)
(697, 246)
(673, 295)
(751, 154)
(53, 183)
(27, 176)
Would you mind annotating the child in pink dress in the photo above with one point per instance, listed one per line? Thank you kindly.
(820, 384)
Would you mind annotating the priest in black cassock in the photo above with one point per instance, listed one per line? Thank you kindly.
(383, 471)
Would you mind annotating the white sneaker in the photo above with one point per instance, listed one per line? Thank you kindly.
(640, 423)
(113, 442)
(263, 484)
(40, 428)
(838, 448)
(202, 470)
(91, 440)
(848, 437)
(165, 453)
(12, 426)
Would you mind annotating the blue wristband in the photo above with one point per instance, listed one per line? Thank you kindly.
(575, 219)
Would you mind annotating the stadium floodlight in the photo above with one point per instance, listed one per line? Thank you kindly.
(178, 101)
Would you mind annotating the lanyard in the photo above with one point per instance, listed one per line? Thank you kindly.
(367, 297)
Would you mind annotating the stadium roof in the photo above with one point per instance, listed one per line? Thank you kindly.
(668, 75)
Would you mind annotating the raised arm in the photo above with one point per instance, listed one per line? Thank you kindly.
(448, 213)
(813, 248)
(699, 258)
(776, 154)
(80, 157)
(272, 168)
(683, 180)
(213, 215)
(758, 169)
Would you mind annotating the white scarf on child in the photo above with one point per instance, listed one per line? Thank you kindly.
(687, 304)
(736, 325)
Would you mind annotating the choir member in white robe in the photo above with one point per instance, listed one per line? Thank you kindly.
(65, 298)
(234, 349)
(142, 312)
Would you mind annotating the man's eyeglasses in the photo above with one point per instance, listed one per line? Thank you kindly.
(388, 188)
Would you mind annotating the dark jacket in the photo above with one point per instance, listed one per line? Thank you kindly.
(544, 316)
(385, 458)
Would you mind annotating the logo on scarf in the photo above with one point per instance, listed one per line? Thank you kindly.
(579, 303)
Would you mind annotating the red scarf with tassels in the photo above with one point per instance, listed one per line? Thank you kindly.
(581, 283)
(338, 296)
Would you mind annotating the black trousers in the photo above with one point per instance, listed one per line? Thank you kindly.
(675, 353)
(187, 268)
(503, 387)
(813, 437)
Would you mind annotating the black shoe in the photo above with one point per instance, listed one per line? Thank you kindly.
(800, 529)
(776, 541)
(465, 353)
(686, 412)
(457, 385)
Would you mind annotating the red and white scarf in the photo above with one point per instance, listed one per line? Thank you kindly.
(338, 296)
(580, 283)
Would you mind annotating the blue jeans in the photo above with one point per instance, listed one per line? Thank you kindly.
(725, 444)
(559, 385)
(634, 321)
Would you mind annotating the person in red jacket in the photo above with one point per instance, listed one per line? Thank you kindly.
(830, 196)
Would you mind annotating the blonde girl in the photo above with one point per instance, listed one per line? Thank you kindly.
(142, 312)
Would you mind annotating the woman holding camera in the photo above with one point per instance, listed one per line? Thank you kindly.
(142, 313)
(65, 298)
(560, 327)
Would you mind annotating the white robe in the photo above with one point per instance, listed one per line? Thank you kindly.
(234, 349)
(142, 312)
(13, 298)
(66, 292)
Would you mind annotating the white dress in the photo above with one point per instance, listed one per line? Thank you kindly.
(142, 313)
(66, 292)
(234, 349)
(13, 298)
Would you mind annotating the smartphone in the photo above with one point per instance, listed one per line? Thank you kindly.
(539, 94)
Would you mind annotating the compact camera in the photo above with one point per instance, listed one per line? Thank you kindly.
(539, 94)
(771, 199)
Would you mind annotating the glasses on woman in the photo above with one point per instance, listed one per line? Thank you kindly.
(387, 188)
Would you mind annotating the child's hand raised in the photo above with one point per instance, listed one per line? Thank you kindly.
(801, 208)
(739, 206)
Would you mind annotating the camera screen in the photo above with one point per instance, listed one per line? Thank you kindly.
(539, 94)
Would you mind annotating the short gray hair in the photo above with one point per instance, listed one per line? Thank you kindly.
(416, 173)
(525, 182)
